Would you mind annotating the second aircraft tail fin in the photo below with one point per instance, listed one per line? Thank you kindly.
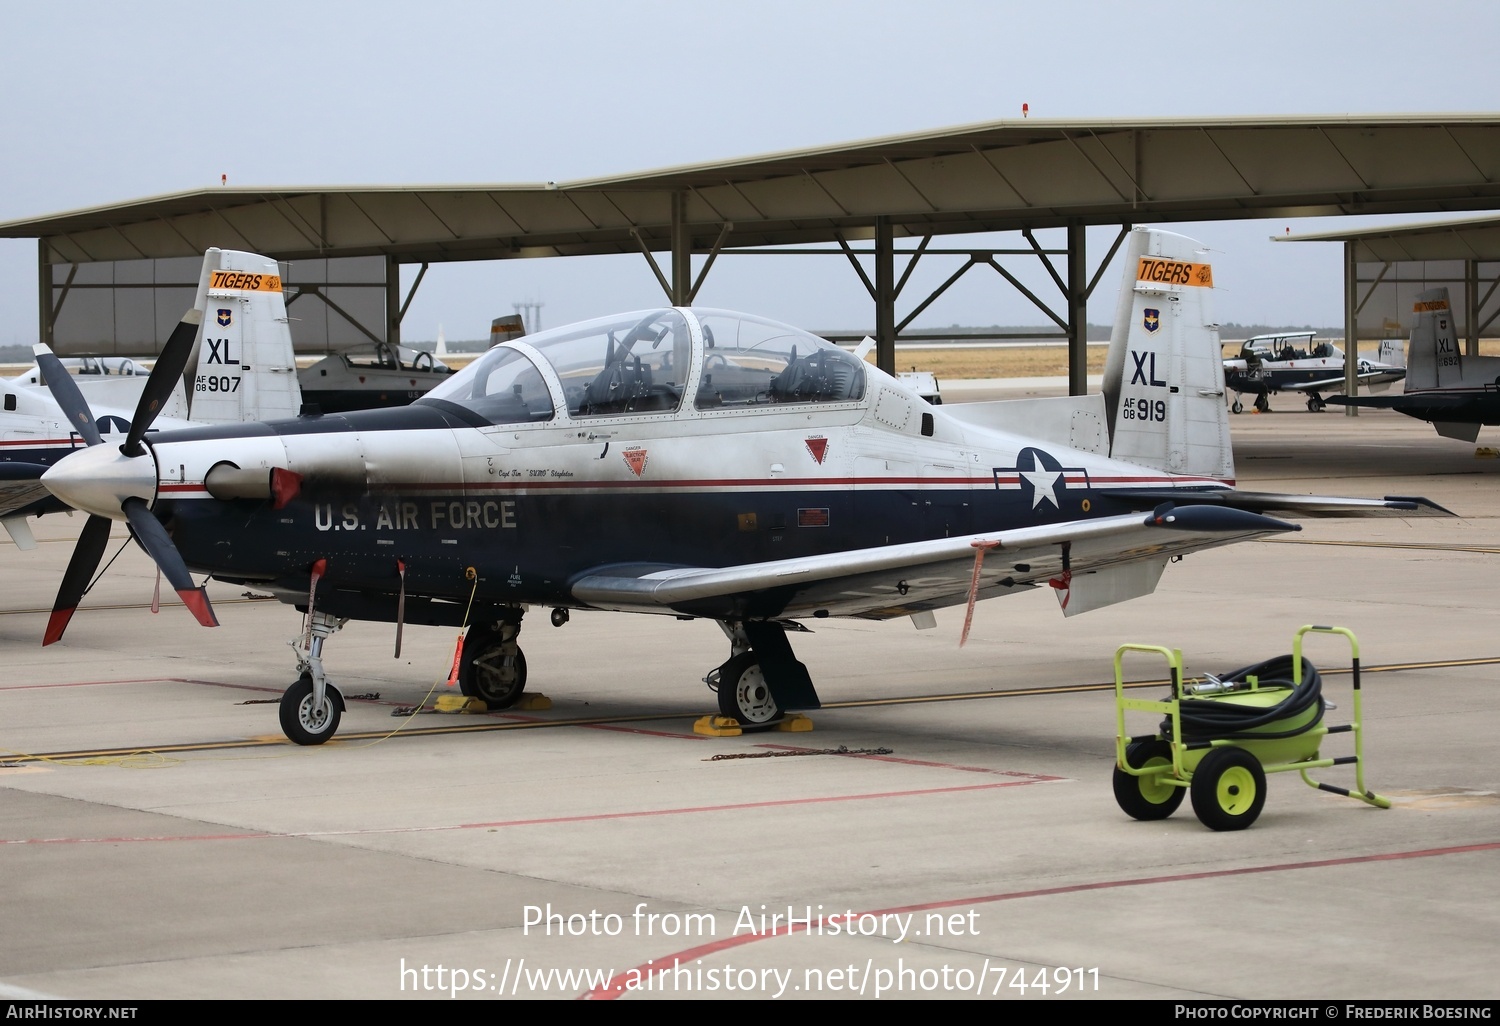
(245, 368)
(1164, 375)
(1433, 357)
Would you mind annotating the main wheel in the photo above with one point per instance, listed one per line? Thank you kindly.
(488, 672)
(1228, 789)
(304, 724)
(1315, 404)
(745, 695)
(1148, 797)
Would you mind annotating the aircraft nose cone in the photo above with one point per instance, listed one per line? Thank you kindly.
(100, 478)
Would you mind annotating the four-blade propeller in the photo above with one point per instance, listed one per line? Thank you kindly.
(109, 487)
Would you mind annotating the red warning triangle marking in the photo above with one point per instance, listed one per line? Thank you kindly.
(636, 460)
(818, 447)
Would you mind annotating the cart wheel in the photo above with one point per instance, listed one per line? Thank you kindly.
(1229, 789)
(1148, 797)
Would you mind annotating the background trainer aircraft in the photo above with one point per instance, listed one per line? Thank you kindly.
(1453, 392)
(245, 370)
(1293, 362)
(695, 463)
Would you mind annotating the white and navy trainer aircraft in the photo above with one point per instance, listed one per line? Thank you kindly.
(1455, 393)
(245, 371)
(1293, 362)
(697, 463)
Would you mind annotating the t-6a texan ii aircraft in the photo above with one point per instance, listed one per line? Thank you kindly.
(698, 463)
(1292, 362)
(1453, 392)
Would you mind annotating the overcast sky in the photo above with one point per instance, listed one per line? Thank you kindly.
(106, 102)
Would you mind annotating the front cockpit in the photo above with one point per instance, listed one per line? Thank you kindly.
(653, 362)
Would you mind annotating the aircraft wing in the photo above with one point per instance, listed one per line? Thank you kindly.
(1103, 560)
(21, 487)
(1374, 377)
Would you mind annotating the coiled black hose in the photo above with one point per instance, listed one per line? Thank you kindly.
(1207, 720)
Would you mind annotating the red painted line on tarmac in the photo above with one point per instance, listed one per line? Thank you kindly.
(622, 983)
(922, 762)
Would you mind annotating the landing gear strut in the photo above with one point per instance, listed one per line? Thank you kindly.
(761, 680)
(1315, 404)
(311, 707)
(493, 667)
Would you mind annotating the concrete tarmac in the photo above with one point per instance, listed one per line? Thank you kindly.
(951, 809)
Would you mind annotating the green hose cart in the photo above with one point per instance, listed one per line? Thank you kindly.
(1218, 738)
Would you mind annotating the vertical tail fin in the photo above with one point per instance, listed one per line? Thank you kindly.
(1164, 376)
(1392, 352)
(245, 368)
(1433, 359)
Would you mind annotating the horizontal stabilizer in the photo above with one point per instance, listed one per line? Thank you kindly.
(1286, 504)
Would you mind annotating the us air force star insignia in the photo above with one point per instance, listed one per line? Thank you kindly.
(1039, 476)
(1043, 483)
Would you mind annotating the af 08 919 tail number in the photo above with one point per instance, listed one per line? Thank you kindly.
(1154, 410)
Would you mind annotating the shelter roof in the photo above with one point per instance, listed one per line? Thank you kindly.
(1004, 175)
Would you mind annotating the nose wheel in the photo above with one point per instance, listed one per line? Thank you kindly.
(306, 720)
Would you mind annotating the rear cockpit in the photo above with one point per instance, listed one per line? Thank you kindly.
(651, 362)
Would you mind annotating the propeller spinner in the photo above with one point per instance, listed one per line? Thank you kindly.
(117, 484)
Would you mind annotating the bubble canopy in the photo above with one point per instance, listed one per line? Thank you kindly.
(654, 362)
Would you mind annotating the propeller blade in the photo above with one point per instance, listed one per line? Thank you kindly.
(86, 556)
(158, 544)
(164, 378)
(65, 390)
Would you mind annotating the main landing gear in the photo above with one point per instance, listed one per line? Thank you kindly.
(1315, 404)
(761, 680)
(493, 667)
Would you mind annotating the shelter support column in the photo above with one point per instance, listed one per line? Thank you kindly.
(1471, 306)
(392, 301)
(1351, 327)
(682, 253)
(885, 296)
(44, 293)
(1078, 312)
